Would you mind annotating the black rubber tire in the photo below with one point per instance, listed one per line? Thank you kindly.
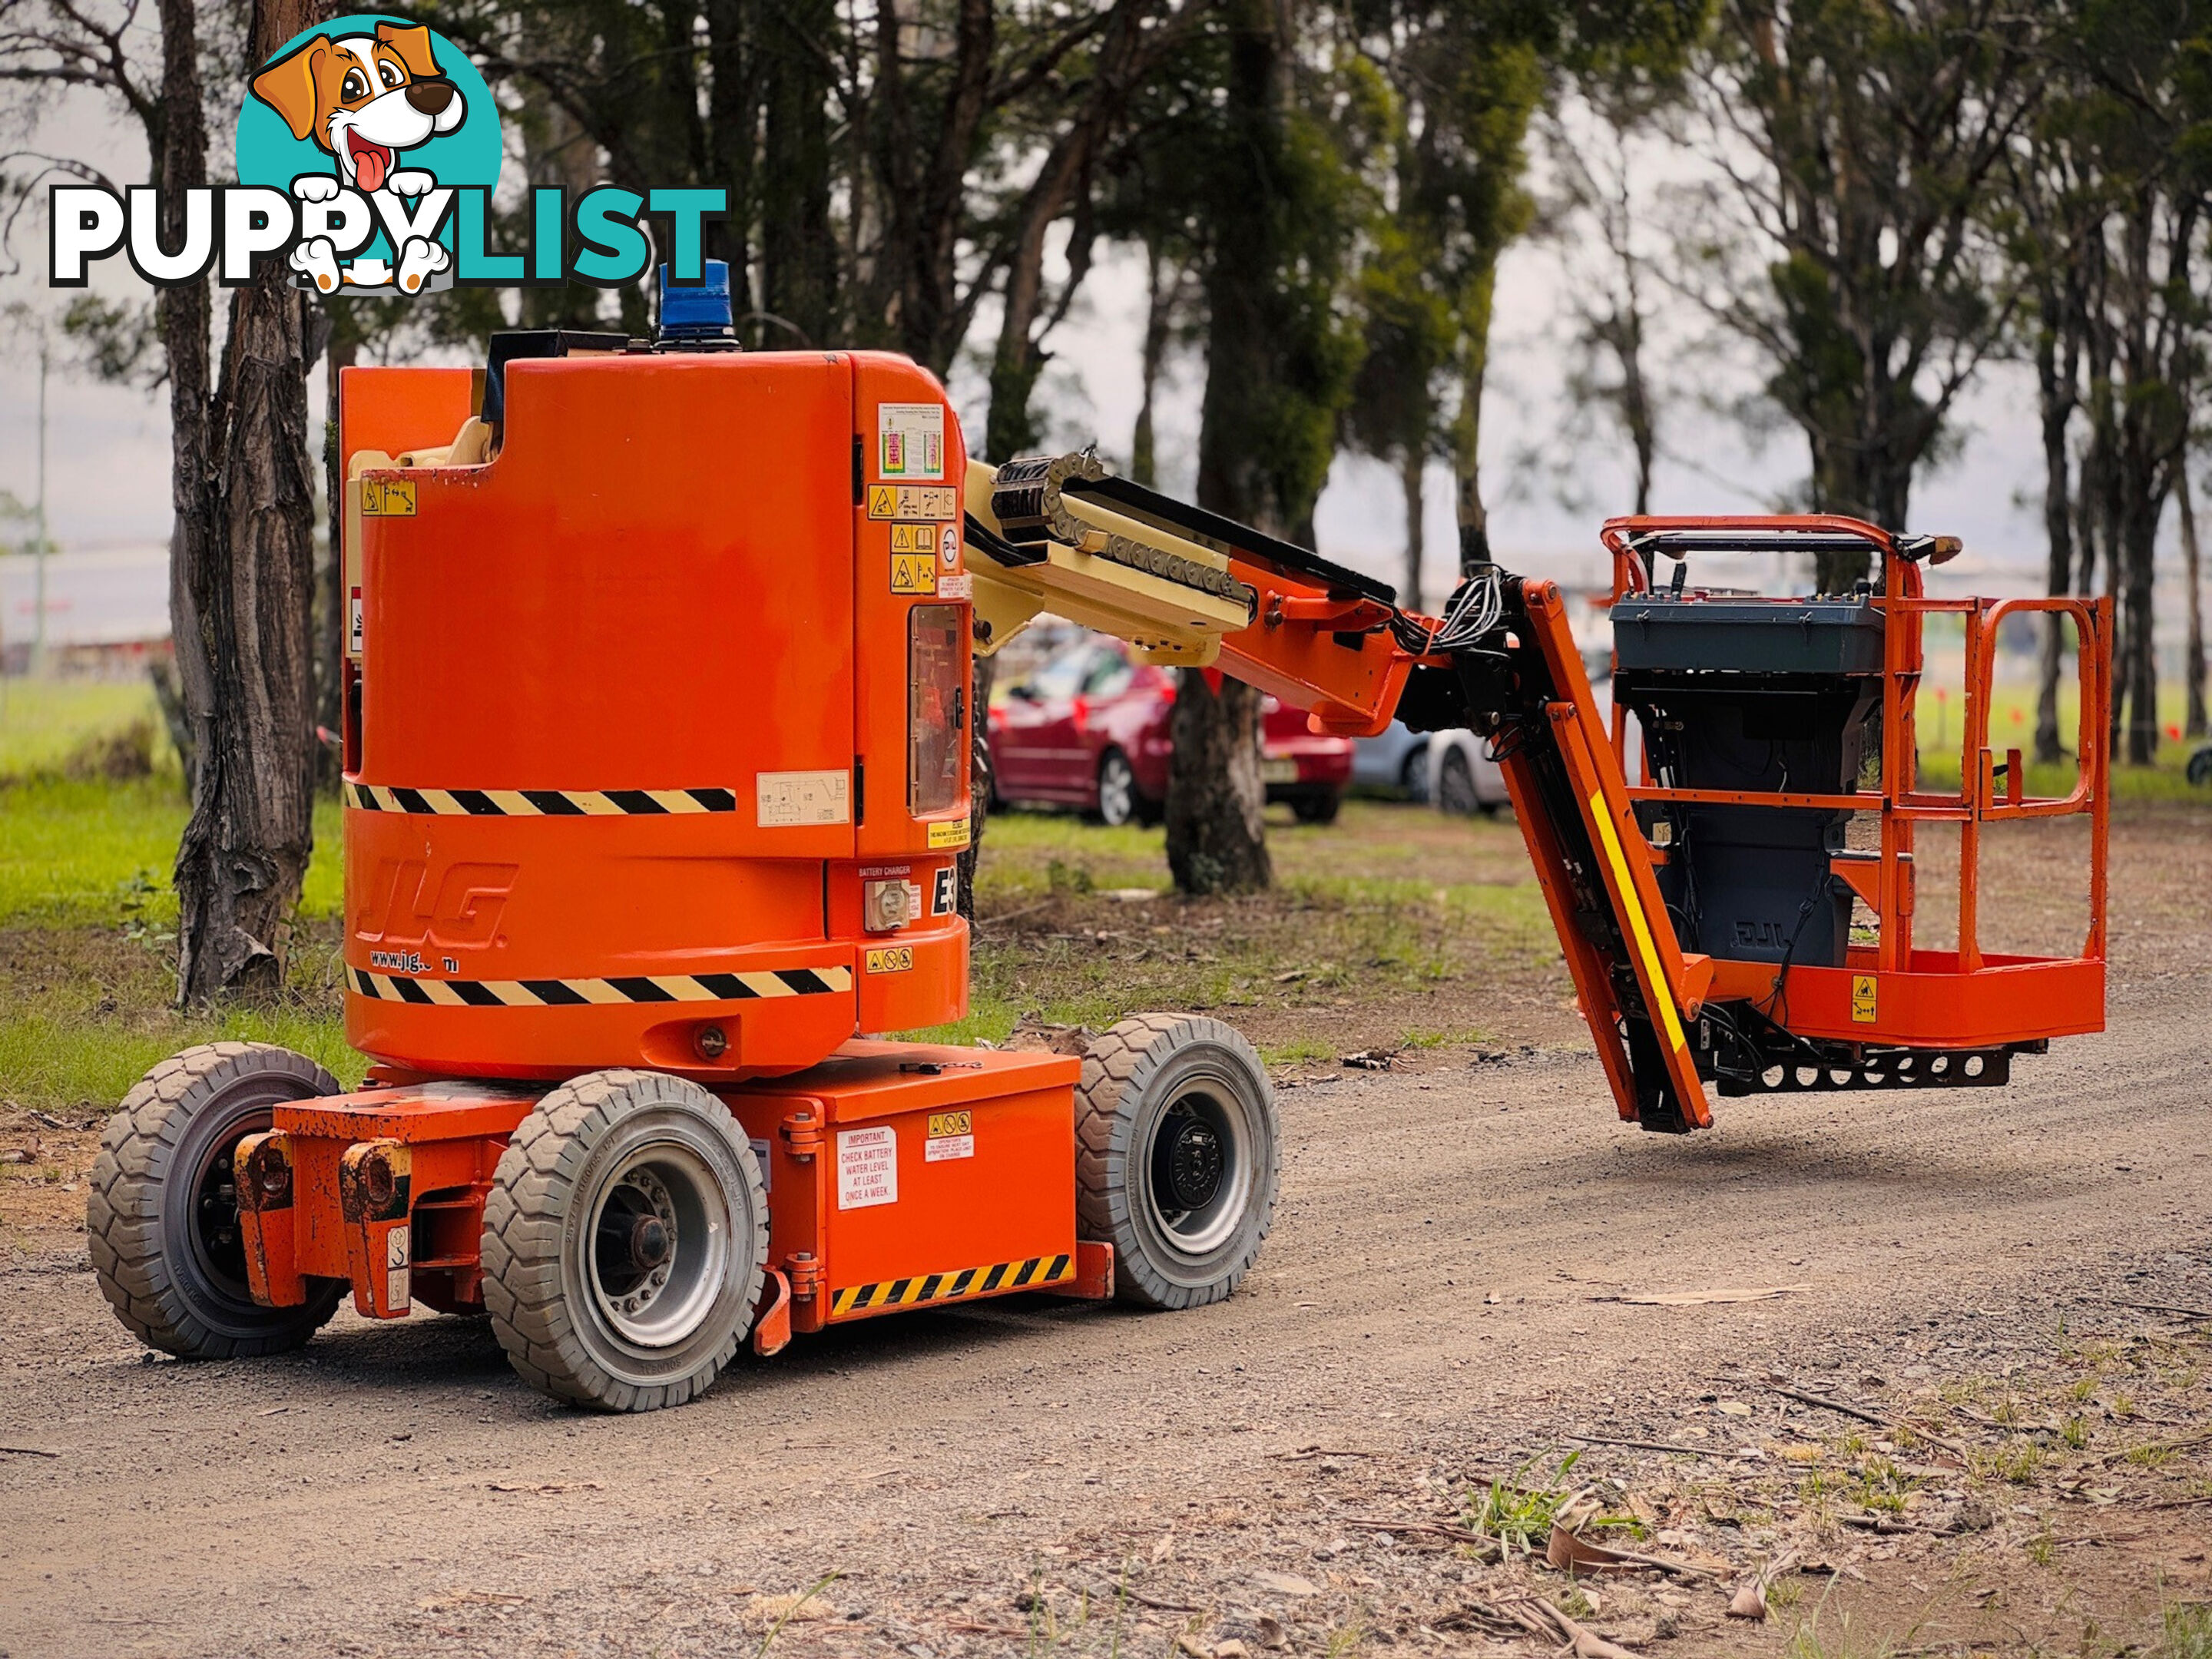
(538, 1217)
(1132, 1076)
(1122, 804)
(1414, 775)
(1456, 792)
(1318, 808)
(2200, 767)
(172, 1278)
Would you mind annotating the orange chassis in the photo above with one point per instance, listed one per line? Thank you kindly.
(645, 708)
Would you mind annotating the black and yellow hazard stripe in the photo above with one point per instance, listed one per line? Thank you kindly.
(1038, 1270)
(577, 993)
(538, 803)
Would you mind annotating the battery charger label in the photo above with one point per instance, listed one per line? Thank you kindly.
(867, 1167)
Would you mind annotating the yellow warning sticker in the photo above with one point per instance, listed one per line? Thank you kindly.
(949, 834)
(892, 959)
(950, 1123)
(1862, 998)
(914, 573)
(912, 537)
(387, 498)
(912, 502)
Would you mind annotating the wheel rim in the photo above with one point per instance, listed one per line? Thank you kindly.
(1199, 1169)
(660, 1246)
(1117, 790)
(218, 1244)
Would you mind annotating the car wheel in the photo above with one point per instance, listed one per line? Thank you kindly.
(1117, 789)
(1414, 775)
(1456, 792)
(2200, 766)
(1315, 808)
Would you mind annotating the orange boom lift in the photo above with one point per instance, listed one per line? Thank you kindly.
(656, 770)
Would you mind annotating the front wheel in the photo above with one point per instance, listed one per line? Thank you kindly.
(1177, 1157)
(624, 1240)
(162, 1220)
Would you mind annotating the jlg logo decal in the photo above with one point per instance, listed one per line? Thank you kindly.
(459, 910)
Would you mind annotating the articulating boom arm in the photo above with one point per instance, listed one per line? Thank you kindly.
(1786, 1004)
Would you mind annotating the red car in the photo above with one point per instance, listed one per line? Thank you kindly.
(1089, 728)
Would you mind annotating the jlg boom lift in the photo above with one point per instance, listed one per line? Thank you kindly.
(656, 756)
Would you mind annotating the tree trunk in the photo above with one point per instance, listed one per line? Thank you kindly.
(2056, 389)
(1217, 840)
(183, 314)
(245, 850)
(799, 243)
(1216, 805)
(333, 608)
(1466, 429)
(2192, 569)
(1412, 466)
(1162, 283)
(983, 673)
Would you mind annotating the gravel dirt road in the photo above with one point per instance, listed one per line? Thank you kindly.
(1436, 1306)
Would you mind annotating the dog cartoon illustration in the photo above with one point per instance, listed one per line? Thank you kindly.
(365, 99)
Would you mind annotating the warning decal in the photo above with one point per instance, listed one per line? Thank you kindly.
(867, 1167)
(952, 1135)
(1862, 998)
(892, 959)
(912, 502)
(913, 573)
(954, 833)
(387, 498)
(911, 440)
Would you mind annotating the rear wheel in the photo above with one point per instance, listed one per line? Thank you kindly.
(1177, 1156)
(162, 1220)
(624, 1240)
(1320, 808)
(1118, 800)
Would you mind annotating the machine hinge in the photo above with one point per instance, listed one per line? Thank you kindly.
(859, 791)
(859, 472)
(805, 1274)
(802, 1134)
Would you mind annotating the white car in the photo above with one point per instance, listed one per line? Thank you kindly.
(1463, 779)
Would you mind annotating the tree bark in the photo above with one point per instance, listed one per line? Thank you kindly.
(1216, 806)
(184, 315)
(2193, 570)
(1472, 515)
(799, 243)
(2057, 390)
(245, 850)
(982, 674)
(1163, 284)
(1217, 839)
(1412, 468)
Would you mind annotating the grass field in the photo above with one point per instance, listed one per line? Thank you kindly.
(1393, 927)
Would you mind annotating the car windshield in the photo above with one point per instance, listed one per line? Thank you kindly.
(1060, 678)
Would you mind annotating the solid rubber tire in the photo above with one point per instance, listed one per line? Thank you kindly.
(541, 1307)
(1131, 1075)
(178, 1114)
